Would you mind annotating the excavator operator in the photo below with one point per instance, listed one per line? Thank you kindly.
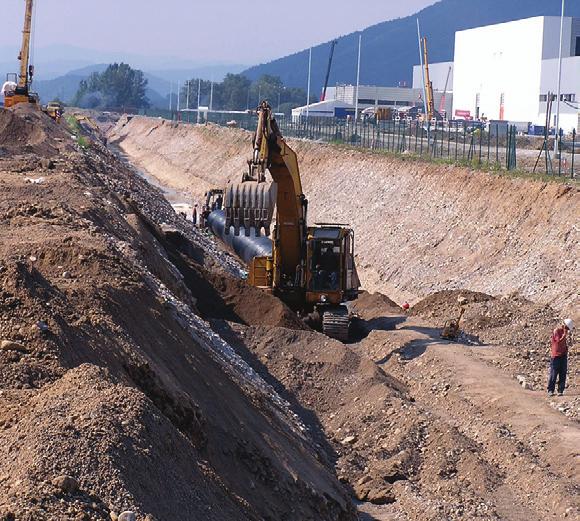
(327, 270)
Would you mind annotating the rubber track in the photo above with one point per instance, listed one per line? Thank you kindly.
(335, 324)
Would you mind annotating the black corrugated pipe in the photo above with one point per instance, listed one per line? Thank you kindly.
(245, 247)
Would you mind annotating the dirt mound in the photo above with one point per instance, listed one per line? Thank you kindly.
(420, 227)
(24, 130)
(388, 450)
(369, 303)
(224, 296)
(100, 432)
(445, 304)
(111, 378)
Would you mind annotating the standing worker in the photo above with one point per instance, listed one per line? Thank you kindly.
(194, 215)
(559, 357)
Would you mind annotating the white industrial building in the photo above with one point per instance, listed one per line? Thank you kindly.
(388, 97)
(504, 71)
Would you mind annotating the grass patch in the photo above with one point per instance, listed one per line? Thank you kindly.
(76, 130)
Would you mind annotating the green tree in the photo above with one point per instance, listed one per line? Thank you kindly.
(118, 86)
(235, 92)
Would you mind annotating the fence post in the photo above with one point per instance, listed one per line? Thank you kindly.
(559, 141)
(573, 152)
(464, 138)
(448, 140)
(508, 148)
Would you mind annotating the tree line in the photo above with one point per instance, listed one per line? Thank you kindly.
(236, 92)
(119, 85)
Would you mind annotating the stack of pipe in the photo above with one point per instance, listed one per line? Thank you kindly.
(246, 247)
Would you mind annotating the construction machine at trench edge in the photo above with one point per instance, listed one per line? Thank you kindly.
(17, 89)
(310, 268)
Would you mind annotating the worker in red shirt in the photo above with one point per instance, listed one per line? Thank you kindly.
(559, 357)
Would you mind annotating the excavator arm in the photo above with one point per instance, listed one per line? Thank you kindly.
(26, 70)
(250, 204)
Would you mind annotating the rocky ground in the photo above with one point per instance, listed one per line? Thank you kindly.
(141, 375)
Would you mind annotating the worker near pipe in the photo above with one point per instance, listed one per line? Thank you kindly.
(559, 357)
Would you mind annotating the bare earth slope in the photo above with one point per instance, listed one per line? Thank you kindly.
(114, 393)
(138, 371)
(420, 227)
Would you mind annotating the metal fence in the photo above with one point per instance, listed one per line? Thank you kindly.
(496, 146)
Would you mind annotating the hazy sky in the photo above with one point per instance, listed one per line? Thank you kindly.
(234, 31)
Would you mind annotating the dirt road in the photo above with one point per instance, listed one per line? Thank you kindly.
(533, 449)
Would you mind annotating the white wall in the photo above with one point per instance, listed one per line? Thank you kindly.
(570, 85)
(503, 58)
(437, 73)
(552, 37)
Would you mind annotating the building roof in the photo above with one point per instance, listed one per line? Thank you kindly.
(327, 105)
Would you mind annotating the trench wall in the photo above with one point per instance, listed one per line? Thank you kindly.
(420, 227)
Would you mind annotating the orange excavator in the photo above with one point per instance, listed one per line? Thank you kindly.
(310, 268)
(16, 89)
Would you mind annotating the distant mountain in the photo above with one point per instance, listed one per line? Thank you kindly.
(160, 83)
(54, 61)
(205, 72)
(390, 49)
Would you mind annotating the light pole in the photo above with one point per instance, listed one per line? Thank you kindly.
(309, 76)
(357, 78)
(198, 97)
(557, 137)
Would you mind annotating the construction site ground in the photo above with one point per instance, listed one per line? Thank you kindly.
(140, 373)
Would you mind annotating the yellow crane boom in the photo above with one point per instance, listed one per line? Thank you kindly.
(428, 84)
(17, 90)
(26, 70)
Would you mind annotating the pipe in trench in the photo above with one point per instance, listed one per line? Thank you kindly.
(245, 247)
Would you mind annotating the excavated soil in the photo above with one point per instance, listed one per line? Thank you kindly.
(115, 393)
(420, 227)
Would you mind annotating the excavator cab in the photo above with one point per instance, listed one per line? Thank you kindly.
(331, 272)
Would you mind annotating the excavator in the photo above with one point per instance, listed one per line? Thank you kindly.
(310, 268)
(16, 89)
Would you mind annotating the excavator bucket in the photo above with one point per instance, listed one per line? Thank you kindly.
(249, 205)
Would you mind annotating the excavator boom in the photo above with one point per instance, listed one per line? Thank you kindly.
(26, 71)
(250, 204)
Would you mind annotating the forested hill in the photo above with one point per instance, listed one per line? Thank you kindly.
(390, 48)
